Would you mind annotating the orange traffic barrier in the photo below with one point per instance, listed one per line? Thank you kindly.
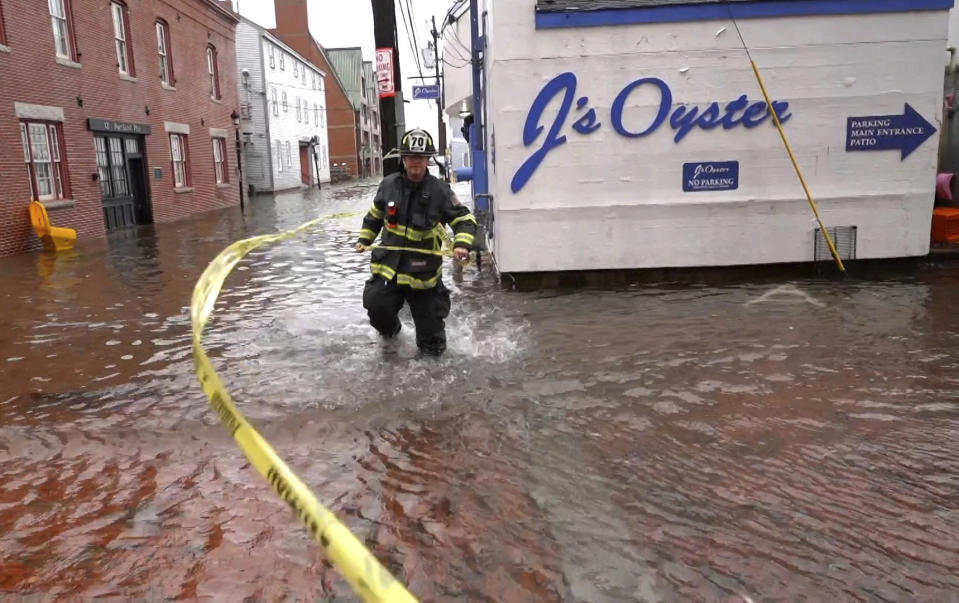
(54, 238)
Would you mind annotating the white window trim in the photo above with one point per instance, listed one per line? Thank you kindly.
(219, 148)
(163, 52)
(219, 133)
(66, 34)
(181, 144)
(120, 36)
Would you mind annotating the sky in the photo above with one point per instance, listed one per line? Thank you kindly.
(338, 23)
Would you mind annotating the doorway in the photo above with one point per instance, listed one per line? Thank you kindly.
(305, 170)
(121, 171)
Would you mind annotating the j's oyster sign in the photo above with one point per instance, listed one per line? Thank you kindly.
(682, 119)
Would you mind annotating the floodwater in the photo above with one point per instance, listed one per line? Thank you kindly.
(764, 441)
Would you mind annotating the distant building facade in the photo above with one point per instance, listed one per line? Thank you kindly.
(283, 124)
(292, 27)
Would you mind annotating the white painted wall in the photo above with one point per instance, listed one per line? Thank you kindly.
(954, 28)
(605, 201)
(457, 72)
(256, 147)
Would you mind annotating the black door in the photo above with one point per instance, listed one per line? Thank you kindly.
(120, 168)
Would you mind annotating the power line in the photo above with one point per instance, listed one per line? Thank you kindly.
(409, 38)
(409, 14)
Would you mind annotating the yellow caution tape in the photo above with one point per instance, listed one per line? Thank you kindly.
(366, 575)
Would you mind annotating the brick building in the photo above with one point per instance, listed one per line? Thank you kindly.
(114, 113)
(292, 27)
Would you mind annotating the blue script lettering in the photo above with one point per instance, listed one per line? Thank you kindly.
(666, 101)
(682, 120)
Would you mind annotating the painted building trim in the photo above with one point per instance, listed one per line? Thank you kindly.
(721, 11)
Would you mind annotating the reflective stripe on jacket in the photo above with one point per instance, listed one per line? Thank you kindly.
(420, 208)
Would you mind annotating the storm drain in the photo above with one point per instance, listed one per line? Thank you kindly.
(843, 237)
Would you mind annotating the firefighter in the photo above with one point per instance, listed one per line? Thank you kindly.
(408, 206)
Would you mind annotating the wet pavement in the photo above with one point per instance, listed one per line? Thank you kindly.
(771, 440)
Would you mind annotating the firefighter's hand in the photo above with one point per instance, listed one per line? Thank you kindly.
(461, 254)
(360, 248)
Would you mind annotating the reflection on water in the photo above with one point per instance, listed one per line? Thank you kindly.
(767, 440)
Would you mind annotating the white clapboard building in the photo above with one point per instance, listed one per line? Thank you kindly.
(283, 113)
(614, 134)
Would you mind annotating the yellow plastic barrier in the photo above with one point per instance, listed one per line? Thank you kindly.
(54, 238)
(366, 575)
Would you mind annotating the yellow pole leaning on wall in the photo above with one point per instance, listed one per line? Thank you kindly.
(792, 157)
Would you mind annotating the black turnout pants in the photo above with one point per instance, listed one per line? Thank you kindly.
(384, 299)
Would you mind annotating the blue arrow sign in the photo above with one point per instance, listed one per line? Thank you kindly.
(904, 133)
(428, 92)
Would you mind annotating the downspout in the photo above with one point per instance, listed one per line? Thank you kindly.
(267, 112)
(480, 182)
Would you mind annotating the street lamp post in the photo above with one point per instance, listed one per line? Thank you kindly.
(239, 160)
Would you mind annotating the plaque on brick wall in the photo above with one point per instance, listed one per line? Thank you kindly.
(119, 127)
(158, 173)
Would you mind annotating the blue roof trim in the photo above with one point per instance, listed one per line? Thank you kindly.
(740, 10)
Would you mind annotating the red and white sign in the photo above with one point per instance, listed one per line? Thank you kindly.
(384, 72)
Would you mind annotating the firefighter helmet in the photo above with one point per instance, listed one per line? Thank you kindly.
(417, 142)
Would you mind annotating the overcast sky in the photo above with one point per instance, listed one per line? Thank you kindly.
(337, 23)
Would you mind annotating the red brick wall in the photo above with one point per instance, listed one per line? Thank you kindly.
(29, 73)
(340, 118)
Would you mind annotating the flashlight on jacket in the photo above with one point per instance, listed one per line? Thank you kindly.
(391, 214)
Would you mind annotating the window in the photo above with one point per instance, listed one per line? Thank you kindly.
(219, 161)
(286, 105)
(316, 115)
(41, 154)
(121, 37)
(323, 118)
(272, 56)
(213, 70)
(62, 20)
(299, 112)
(276, 104)
(279, 156)
(181, 160)
(323, 155)
(3, 34)
(282, 61)
(303, 74)
(164, 52)
(313, 80)
(296, 69)
(103, 166)
(289, 155)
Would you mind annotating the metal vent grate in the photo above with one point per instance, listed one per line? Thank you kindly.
(843, 237)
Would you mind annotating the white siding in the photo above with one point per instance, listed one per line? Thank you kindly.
(264, 130)
(258, 168)
(606, 201)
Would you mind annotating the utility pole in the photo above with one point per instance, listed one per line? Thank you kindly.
(391, 107)
(440, 127)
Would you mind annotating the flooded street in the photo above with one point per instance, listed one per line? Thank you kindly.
(776, 440)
